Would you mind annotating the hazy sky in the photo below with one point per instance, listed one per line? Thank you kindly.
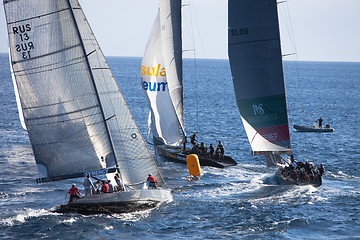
(324, 30)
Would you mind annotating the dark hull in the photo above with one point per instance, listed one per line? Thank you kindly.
(119, 202)
(312, 129)
(175, 154)
(285, 180)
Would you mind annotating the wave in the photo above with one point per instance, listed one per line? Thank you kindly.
(24, 216)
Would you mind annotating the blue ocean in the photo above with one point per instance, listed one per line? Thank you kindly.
(233, 203)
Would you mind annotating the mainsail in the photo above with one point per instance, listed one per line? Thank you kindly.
(75, 114)
(257, 71)
(171, 43)
(164, 121)
(161, 73)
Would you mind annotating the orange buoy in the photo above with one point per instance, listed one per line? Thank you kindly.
(193, 164)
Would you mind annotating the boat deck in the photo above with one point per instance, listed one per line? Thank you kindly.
(312, 129)
(117, 202)
(176, 154)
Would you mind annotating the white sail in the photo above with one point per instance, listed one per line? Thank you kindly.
(257, 71)
(171, 41)
(164, 121)
(132, 154)
(76, 116)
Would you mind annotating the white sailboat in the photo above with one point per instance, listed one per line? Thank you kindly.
(162, 83)
(255, 57)
(76, 117)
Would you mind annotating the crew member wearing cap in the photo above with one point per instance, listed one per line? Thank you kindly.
(152, 181)
(74, 193)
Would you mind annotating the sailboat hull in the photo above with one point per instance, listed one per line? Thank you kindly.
(282, 179)
(176, 154)
(312, 129)
(117, 202)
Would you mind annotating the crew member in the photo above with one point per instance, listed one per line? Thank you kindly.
(321, 169)
(218, 153)
(293, 162)
(74, 193)
(119, 186)
(97, 187)
(222, 150)
(152, 181)
(104, 187)
(193, 139)
(320, 122)
(203, 148)
(212, 150)
(111, 187)
(88, 186)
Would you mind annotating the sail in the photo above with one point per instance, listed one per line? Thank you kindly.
(256, 65)
(171, 41)
(164, 121)
(75, 114)
(16, 91)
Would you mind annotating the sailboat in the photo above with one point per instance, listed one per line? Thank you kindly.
(75, 115)
(255, 57)
(162, 83)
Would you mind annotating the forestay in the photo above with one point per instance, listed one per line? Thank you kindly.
(164, 121)
(257, 70)
(73, 109)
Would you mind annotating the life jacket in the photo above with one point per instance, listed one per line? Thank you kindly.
(73, 191)
(105, 188)
(152, 179)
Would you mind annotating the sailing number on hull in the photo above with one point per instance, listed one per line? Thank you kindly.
(26, 45)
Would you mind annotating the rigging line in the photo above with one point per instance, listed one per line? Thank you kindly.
(104, 208)
(193, 64)
(288, 24)
(192, 6)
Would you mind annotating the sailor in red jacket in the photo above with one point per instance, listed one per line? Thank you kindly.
(152, 181)
(105, 187)
(74, 193)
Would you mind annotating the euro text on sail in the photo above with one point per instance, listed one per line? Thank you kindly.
(154, 86)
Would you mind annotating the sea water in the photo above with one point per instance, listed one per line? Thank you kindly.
(229, 203)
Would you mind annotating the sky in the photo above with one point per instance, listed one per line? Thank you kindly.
(323, 30)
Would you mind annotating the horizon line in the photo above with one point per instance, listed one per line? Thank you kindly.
(203, 58)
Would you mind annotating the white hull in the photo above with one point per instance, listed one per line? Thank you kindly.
(118, 202)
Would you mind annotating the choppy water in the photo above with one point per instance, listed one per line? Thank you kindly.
(227, 203)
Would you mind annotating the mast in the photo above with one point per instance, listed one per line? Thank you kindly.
(92, 79)
(171, 41)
